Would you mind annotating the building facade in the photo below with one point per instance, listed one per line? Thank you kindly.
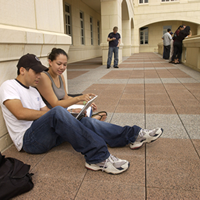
(81, 28)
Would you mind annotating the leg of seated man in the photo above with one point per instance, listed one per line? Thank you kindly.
(116, 136)
(57, 126)
(113, 135)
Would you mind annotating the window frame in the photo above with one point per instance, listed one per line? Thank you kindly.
(68, 23)
(91, 31)
(143, 1)
(82, 28)
(145, 31)
(98, 32)
(165, 28)
(169, 1)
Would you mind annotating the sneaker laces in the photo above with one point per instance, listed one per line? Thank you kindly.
(111, 159)
(144, 131)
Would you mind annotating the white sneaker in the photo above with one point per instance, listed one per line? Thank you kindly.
(146, 136)
(112, 165)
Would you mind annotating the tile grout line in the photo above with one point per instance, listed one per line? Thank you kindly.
(39, 161)
(145, 124)
(181, 120)
(80, 185)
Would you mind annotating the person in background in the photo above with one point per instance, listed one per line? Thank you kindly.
(171, 47)
(166, 43)
(178, 43)
(176, 34)
(114, 40)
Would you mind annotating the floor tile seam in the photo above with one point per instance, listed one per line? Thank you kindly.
(32, 168)
(186, 70)
(75, 70)
(85, 75)
(114, 181)
(153, 187)
(166, 81)
(181, 84)
(118, 100)
(145, 123)
(182, 123)
(80, 185)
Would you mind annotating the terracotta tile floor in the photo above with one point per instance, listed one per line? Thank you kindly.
(148, 91)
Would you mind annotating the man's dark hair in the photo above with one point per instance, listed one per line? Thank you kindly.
(18, 72)
(168, 30)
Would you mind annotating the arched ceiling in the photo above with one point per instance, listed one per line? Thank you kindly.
(94, 4)
(125, 12)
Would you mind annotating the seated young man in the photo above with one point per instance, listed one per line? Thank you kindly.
(36, 129)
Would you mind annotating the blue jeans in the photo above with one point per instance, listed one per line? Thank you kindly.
(110, 52)
(88, 136)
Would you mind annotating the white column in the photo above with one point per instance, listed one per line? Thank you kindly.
(110, 17)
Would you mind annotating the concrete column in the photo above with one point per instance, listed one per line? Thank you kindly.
(126, 32)
(198, 29)
(110, 17)
(136, 40)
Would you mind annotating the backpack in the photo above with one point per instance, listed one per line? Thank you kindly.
(15, 178)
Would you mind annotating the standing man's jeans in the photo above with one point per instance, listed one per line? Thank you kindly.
(110, 52)
(88, 136)
(166, 52)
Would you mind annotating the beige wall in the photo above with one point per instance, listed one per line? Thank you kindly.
(191, 52)
(26, 27)
(78, 51)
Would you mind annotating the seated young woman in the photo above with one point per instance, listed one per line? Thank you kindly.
(52, 86)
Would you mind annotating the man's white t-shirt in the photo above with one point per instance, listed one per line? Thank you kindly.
(29, 97)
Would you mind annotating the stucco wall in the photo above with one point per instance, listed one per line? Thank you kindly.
(78, 51)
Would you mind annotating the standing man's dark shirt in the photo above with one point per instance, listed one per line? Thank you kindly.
(114, 43)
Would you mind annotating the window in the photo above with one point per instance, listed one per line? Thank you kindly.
(98, 32)
(144, 35)
(143, 1)
(165, 29)
(169, 0)
(91, 30)
(82, 28)
(68, 26)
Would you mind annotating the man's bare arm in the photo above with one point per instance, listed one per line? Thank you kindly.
(119, 41)
(16, 108)
(110, 39)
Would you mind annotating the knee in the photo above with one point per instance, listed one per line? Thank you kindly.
(58, 110)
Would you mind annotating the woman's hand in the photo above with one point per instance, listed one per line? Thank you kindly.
(85, 97)
(94, 107)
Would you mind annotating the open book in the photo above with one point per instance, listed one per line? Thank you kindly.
(84, 108)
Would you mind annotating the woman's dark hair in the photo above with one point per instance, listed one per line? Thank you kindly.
(185, 32)
(55, 52)
(181, 26)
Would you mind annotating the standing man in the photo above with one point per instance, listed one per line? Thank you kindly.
(167, 42)
(114, 42)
